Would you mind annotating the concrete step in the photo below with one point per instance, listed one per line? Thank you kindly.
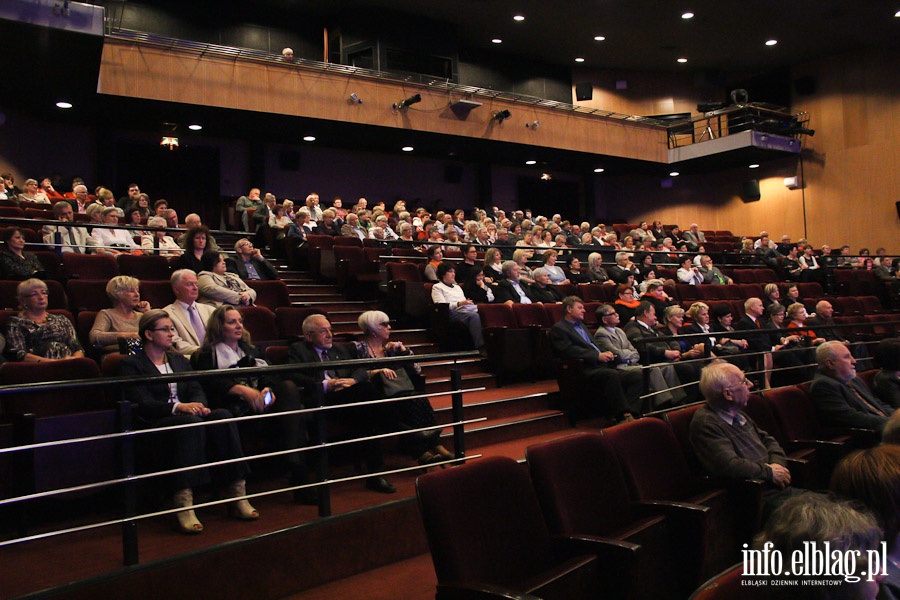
(333, 305)
(311, 289)
(334, 299)
(441, 369)
(498, 410)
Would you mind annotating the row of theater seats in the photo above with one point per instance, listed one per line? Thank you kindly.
(637, 514)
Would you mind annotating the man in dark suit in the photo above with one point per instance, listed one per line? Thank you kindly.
(341, 386)
(825, 327)
(623, 268)
(328, 226)
(841, 398)
(571, 340)
(510, 289)
(249, 264)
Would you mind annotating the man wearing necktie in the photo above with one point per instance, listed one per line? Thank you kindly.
(619, 389)
(188, 317)
(65, 238)
(342, 386)
(841, 398)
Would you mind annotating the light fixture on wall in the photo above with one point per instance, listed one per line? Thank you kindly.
(792, 183)
(404, 104)
(501, 116)
(533, 124)
(355, 99)
(170, 142)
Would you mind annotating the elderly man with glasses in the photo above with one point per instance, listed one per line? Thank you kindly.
(249, 264)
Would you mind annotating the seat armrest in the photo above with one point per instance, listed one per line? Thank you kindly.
(478, 591)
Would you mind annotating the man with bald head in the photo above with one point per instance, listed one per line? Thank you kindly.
(841, 398)
(192, 221)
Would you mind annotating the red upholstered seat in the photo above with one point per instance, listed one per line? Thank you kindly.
(90, 266)
(48, 403)
(148, 266)
(88, 294)
(271, 294)
(727, 585)
(260, 322)
(158, 293)
(9, 300)
(484, 527)
(582, 491)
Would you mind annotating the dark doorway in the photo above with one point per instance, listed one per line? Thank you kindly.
(187, 177)
(549, 197)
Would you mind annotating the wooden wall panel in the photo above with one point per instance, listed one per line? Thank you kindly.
(162, 74)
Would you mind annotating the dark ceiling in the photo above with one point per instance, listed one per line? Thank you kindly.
(641, 34)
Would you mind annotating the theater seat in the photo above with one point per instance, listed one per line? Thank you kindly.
(289, 320)
(582, 491)
(260, 322)
(727, 585)
(488, 538)
(45, 403)
(271, 294)
(90, 266)
(510, 348)
(148, 266)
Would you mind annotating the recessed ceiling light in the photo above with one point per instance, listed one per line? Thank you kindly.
(62, 104)
(599, 170)
(754, 166)
(599, 38)
(682, 60)
(687, 15)
(897, 14)
(674, 174)
(497, 41)
(530, 162)
(309, 138)
(195, 127)
(771, 42)
(407, 148)
(519, 18)
(579, 59)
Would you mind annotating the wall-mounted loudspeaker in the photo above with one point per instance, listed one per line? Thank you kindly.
(584, 90)
(750, 190)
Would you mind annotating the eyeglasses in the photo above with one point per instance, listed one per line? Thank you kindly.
(166, 329)
(609, 314)
(385, 324)
(744, 382)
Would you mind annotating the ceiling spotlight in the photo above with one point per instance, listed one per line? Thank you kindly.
(407, 148)
(897, 14)
(599, 170)
(63, 104)
(530, 162)
(674, 174)
(496, 41)
(599, 38)
(501, 116)
(771, 42)
(533, 124)
(404, 104)
(754, 166)
(579, 60)
(519, 18)
(687, 15)
(195, 127)
(354, 99)
(309, 138)
(682, 60)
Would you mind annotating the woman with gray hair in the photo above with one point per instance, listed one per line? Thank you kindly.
(34, 335)
(157, 241)
(113, 241)
(121, 321)
(424, 446)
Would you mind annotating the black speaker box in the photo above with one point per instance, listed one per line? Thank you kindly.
(584, 90)
(750, 190)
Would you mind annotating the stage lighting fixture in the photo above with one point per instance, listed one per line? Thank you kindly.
(501, 116)
(354, 99)
(404, 104)
(533, 125)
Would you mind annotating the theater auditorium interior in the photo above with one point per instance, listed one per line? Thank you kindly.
(584, 148)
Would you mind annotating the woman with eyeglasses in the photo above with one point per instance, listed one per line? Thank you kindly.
(183, 403)
(625, 303)
(424, 446)
(35, 335)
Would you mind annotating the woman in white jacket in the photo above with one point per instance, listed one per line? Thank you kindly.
(461, 308)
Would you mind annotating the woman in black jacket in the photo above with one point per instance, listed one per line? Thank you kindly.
(181, 403)
(227, 346)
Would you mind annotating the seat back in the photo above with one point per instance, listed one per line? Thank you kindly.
(654, 466)
(148, 266)
(403, 271)
(50, 403)
(728, 585)
(271, 294)
(89, 266)
(580, 485)
(529, 315)
(347, 241)
(260, 322)
(679, 419)
(794, 412)
(496, 315)
(483, 522)
(158, 293)
(88, 294)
